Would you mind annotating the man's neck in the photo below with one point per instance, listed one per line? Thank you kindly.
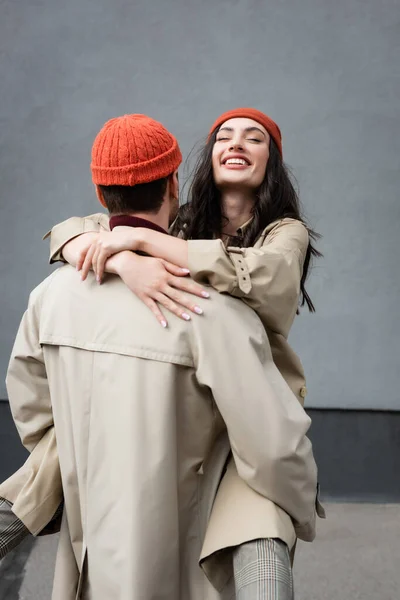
(237, 207)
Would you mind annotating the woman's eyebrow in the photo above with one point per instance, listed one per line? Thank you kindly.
(248, 129)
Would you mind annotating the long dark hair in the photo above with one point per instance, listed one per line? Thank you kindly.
(202, 218)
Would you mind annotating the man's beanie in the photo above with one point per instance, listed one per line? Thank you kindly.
(256, 115)
(133, 149)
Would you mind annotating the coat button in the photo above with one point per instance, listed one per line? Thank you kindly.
(303, 392)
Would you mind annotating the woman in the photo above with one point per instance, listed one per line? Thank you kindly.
(241, 232)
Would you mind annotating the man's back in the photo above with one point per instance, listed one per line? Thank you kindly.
(133, 428)
(136, 410)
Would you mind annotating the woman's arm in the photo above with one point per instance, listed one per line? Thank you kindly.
(66, 237)
(137, 239)
(266, 278)
(155, 281)
(170, 248)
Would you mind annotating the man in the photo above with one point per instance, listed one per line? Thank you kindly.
(142, 415)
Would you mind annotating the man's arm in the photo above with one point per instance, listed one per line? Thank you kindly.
(266, 424)
(35, 490)
(26, 380)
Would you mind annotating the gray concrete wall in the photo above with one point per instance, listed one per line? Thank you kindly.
(328, 72)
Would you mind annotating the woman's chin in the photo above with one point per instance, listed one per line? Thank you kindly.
(236, 181)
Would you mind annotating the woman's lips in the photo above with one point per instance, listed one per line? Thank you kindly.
(235, 163)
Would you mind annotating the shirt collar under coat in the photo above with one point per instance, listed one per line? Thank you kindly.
(130, 221)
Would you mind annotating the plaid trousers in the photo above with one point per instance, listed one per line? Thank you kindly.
(12, 530)
(262, 571)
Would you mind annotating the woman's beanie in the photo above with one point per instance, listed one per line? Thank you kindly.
(133, 149)
(256, 115)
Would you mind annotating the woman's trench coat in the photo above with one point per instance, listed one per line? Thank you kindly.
(266, 277)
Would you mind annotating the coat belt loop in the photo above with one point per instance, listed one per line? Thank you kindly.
(242, 271)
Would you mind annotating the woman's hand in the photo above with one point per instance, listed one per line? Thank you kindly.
(77, 247)
(104, 245)
(156, 281)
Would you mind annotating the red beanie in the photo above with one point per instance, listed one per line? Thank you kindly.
(133, 149)
(256, 115)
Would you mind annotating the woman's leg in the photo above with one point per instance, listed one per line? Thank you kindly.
(263, 571)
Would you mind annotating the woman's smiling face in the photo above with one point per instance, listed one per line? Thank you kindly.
(240, 154)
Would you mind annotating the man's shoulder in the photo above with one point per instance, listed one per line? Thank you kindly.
(108, 318)
(65, 288)
(224, 311)
(60, 278)
(38, 293)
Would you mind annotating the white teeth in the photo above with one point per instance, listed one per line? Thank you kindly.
(236, 161)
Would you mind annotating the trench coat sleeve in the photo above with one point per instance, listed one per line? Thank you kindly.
(35, 490)
(67, 230)
(26, 380)
(266, 424)
(266, 278)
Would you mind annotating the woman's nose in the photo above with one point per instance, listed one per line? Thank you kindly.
(236, 145)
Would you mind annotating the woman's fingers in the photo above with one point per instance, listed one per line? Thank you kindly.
(179, 298)
(101, 259)
(87, 263)
(155, 310)
(186, 285)
(94, 262)
(189, 286)
(169, 304)
(76, 249)
(81, 258)
(174, 270)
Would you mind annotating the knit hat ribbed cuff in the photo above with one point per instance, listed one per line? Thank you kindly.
(145, 172)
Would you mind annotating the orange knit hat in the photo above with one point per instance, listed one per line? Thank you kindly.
(133, 149)
(256, 115)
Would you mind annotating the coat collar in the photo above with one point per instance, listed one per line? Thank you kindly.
(242, 228)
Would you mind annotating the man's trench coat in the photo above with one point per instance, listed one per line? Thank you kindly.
(142, 417)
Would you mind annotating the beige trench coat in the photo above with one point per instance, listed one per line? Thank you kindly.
(266, 277)
(82, 354)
